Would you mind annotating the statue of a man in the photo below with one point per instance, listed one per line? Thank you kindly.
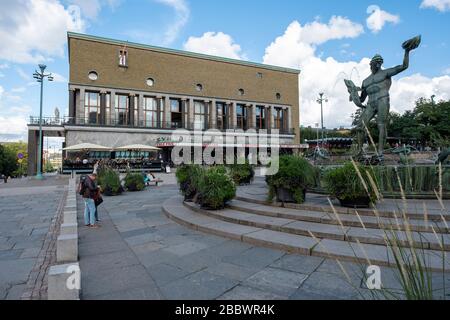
(376, 87)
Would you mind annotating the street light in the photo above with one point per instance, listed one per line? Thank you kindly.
(320, 101)
(40, 76)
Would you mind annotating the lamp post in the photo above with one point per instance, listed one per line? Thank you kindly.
(320, 101)
(40, 76)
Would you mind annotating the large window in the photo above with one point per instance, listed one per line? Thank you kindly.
(150, 112)
(92, 108)
(176, 113)
(199, 115)
(121, 112)
(242, 116)
(222, 116)
(278, 118)
(261, 117)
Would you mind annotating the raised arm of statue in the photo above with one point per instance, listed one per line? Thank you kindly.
(409, 46)
(400, 68)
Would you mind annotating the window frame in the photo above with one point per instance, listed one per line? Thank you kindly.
(118, 108)
(88, 106)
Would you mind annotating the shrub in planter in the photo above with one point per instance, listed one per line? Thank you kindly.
(295, 175)
(109, 181)
(215, 188)
(134, 182)
(346, 185)
(187, 177)
(242, 173)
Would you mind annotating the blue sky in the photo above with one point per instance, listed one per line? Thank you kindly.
(326, 39)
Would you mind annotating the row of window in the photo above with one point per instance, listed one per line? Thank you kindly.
(154, 116)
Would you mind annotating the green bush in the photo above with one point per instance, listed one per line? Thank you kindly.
(215, 188)
(109, 181)
(134, 182)
(295, 174)
(344, 183)
(242, 173)
(187, 177)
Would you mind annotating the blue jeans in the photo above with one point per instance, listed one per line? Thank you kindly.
(89, 211)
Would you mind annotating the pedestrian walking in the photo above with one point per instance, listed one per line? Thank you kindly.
(89, 190)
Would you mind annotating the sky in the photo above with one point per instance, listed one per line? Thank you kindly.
(327, 40)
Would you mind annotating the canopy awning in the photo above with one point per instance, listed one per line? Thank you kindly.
(87, 147)
(137, 147)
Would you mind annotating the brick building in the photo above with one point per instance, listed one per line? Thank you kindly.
(124, 93)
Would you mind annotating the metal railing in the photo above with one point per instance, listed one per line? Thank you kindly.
(169, 125)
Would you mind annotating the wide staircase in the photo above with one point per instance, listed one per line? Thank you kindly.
(326, 230)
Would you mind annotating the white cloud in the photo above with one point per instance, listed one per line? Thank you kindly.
(25, 76)
(215, 43)
(182, 14)
(32, 31)
(4, 66)
(378, 18)
(441, 5)
(446, 71)
(320, 74)
(18, 90)
(91, 8)
(13, 128)
(58, 78)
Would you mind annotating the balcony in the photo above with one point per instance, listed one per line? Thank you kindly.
(156, 125)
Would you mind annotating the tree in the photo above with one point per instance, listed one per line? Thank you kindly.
(8, 161)
(22, 165)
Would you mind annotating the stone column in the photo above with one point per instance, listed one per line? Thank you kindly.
(213, 115)
(141, 110)
(113, 119)
(72, 111)
(167, 113)
(131, 109)
(32, 152)
(184, 120)
(253, 116)
(191, 116)
(103, 107)
(233, 115)
(271, 117)
(81, 117)
(289, 117)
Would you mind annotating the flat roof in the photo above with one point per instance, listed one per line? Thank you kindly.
(177, 52)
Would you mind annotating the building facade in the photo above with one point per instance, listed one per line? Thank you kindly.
(125, 93)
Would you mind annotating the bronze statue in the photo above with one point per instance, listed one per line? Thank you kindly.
(376, 87)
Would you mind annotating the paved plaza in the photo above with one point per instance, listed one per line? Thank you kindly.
(27, 211)
(141, 254)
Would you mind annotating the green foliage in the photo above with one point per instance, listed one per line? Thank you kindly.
(215, 188)
(109, 181)
(22, 165)
(344, 183)
(295, 174)
(8, 160)
(48, 167)
(187, 177)
(134, 182)
(242, 173)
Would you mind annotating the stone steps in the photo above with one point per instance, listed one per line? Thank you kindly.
(323, 230)
(305, 245)
(432, 215)
(347, 219)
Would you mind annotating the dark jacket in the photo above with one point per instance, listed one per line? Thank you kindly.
(90, 188)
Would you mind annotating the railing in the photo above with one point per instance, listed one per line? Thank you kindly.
(168, 125)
